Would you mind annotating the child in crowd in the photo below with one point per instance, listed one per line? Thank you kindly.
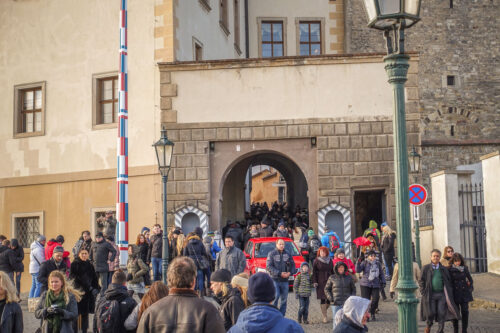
(339, 287)
(302, 290)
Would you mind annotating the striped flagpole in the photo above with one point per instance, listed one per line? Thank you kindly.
(122, 144)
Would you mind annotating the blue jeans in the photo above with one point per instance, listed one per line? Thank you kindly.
(335, 309)
(281, 293)
(35, 286)
(156, 263)
(200, 280)
(303, 308)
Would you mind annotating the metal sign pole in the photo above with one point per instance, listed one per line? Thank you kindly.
(417, 235)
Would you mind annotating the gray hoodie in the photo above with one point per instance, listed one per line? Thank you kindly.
(354, 308)
(37, 256)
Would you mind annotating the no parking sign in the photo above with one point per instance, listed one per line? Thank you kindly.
(418, 194)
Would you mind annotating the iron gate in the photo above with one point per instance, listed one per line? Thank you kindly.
(472, 227)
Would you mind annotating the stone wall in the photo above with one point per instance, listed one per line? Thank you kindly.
(458, 123)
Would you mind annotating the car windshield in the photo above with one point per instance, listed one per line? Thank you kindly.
(262, 249)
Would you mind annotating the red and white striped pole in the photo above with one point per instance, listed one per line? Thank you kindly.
(122, 144)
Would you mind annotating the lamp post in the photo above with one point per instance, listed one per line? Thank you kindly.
(164, 149)
(393, 17)
(414, 159)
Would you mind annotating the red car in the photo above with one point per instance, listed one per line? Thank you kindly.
(257, 250)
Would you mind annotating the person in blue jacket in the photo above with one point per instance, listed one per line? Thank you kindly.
(262, 316)
(325, 241)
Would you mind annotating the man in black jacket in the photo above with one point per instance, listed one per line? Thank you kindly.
(54, 263)
(99, 255)
(7, 259)
(155, 251)
(117, 291)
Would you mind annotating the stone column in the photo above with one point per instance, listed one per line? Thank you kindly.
(491, 183)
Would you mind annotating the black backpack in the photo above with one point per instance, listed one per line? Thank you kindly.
(315, 244)
(108, 315)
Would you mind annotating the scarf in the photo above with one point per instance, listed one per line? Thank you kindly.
(55, 321)
(374, 271)
(460, 268)
(325, 260)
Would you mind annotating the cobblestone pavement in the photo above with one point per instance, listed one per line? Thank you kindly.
(481, 321)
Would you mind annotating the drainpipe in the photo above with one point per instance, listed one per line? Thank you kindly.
(247, 42)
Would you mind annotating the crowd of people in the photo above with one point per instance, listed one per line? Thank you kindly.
(207, 289)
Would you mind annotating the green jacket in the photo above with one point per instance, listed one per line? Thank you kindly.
(302, 285)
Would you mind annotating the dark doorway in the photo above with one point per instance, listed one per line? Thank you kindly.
(368, 205)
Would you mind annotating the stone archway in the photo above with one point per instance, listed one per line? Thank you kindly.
(346, 214)
(229, 162)
(182, 215)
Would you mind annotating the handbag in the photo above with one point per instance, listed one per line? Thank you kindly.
(202, 264)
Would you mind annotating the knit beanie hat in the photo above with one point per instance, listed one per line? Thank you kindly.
(261, 288)
(58, 249)
(240, 281)
(340, 250)
(221, 275)
(310, 233)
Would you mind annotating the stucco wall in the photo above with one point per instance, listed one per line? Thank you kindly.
(491, 170)
(194, 20)
(343, 89)
(64, 43)
(291, 10)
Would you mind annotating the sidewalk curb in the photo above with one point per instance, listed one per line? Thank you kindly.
(480, 303)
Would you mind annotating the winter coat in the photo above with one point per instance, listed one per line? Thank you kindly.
(364, 267)
(46, 268)
(302, 285)
(214, 250)
(281, 233)
(264, 318)
(321, 273)
(348, 263)
(232, 259)
(425, 284)
(155, 247)
(280, 262)
(131, 321)
(136, 267)
(37, 257)
(195, 250)
(69, 316)
(99, 255)
(348, 326)
(387, 243)
(109, 227)
(143, 252)
(182, 311)
(462, 284)
(416, 277)
(18, 254)
(12, 318)
(81, 244)
(339, 288)
(49, 248)
(313, 251)
(126, 303)
(7, 259)
(351, 316)
(231, 306)
(325, 241)
(237, 235)
(266, 232)
(113, 265)
(303, 241)
(85, 279)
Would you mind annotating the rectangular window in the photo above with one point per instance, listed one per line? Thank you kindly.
(310, 38)
(29, 108)
(272, 39)
(237, 25)
(223, 18)
(198, 52)
(450, 80)
(107, 100)
(26, 227)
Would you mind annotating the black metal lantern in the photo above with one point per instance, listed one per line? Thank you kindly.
(164, 149)
(383, 14)
(414, 160)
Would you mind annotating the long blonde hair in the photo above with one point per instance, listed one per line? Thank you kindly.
(180, 243)
(10, 290)
(243, 289)
(67, 287)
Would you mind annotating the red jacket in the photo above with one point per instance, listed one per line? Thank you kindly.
(346, 261)
(49, 249)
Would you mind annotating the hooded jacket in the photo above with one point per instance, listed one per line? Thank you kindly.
(372, 230)
(37, 257)
(49, 248)
(339, 287)
(264, 318)
(303, 284)
(18, 255)
(365, 267)
(126, 303)
(7, 259)
(99, 255)
(136, 267)
(195, 250)
(349, 319)
(325, 241)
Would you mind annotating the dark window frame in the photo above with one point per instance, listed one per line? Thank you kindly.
(309, 42)
(272, 42)
(112, 101)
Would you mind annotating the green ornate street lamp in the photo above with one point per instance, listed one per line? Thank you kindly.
(393, 17)
(164, 149)
(414, 159)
